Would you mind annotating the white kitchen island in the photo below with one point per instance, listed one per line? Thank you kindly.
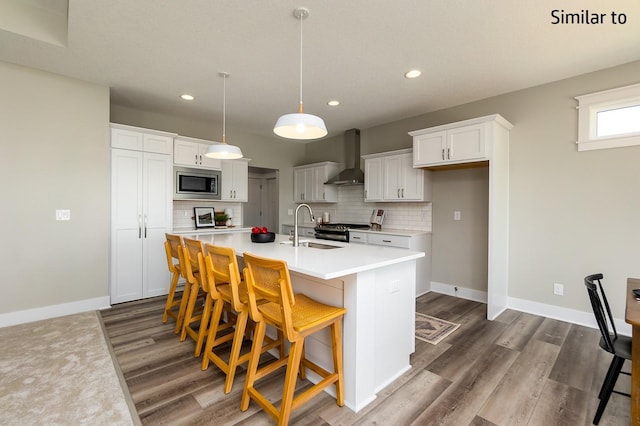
(377, 287)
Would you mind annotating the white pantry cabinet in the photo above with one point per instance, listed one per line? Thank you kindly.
(308, 183)
(463, 142)
(190, 152)
(141, 211)
(483, 139)
(390, 176)
(235, 180)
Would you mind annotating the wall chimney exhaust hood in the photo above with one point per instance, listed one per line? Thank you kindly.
(352, 175)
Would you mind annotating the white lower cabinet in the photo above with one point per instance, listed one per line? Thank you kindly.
(141, 209)
(410, 240)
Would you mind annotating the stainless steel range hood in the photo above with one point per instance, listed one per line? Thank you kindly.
(352, 175)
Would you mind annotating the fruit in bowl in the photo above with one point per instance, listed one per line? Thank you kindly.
(262, 235)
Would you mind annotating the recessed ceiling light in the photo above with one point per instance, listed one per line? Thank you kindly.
(413, 73)
(187, 97)
(333, 102)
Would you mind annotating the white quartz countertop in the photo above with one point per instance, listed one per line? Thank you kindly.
(320, 263)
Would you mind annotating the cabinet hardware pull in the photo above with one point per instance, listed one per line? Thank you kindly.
(398, 192)
(386, 241)
(139, 226)
(449, 153)
(200, 159)
(402, 192)
(145, 225)
(443, 153)
(196, 158)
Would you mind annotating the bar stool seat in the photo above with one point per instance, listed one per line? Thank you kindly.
(297, 316)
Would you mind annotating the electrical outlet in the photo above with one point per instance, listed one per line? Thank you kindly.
(558, 289)
(456, 215)
(290, 212)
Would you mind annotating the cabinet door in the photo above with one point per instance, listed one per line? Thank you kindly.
(373, 179)
(157, 143)
(392, 185)
(322, 192)
(412, 180)
(466, 143)
(156, 221)
(186, 153)
(302, 184)
(126, 139)
(235, 180)
(126, 225)
(429, 149)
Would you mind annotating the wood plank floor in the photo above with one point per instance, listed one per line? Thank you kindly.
(520, 369)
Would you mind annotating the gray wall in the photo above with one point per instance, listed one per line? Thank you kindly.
(55, 155)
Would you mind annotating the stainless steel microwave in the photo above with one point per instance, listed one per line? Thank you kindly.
(196, 184)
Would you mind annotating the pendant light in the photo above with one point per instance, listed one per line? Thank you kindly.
(224, 151)
(300, 125)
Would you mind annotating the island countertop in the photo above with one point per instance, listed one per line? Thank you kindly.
(320, 263)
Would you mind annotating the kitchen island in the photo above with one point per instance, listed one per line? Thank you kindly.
(377, 287)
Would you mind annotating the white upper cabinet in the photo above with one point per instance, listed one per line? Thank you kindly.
(462, 142)
(390, 176)
(190, 152)
(235, 180)
(308, 183)
(138, 139)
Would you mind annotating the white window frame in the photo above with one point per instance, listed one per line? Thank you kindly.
(591, 104)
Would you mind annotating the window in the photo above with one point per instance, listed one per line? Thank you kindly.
(609, 119)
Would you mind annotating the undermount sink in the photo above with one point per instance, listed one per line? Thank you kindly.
(312, 244)
(318, 245)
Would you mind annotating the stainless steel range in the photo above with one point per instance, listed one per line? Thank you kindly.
(336, 231)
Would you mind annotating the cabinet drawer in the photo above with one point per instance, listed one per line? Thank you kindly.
(388, 240)
(357, 237)
(307, 232)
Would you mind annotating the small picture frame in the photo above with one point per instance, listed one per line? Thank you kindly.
(204, 217)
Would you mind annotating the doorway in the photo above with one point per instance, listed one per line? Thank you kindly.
(262, 207)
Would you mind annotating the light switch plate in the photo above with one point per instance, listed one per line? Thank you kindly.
(63, 214)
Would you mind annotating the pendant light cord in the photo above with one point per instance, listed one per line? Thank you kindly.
(224, 109)
(301, 19)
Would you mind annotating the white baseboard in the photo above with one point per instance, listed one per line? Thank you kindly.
(536, 308)
(463, 292)
(52, 311)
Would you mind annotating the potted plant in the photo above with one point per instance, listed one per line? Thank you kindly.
(221, 219)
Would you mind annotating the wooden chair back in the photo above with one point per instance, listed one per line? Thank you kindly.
(195, 271)
(222, 267)
(601, 311)
(173, 248)
(269, 279)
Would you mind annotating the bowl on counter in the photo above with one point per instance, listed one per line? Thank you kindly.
(268, 237)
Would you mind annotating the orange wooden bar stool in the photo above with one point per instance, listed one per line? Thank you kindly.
(223, 273)
(194, 253)
(175, 308)
(298, 316)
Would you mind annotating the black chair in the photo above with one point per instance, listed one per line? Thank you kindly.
(618, 346)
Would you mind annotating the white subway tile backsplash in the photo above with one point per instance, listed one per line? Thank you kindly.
(351, 208)
(183, 212)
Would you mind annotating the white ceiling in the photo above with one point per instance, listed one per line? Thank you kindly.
(150, 51)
